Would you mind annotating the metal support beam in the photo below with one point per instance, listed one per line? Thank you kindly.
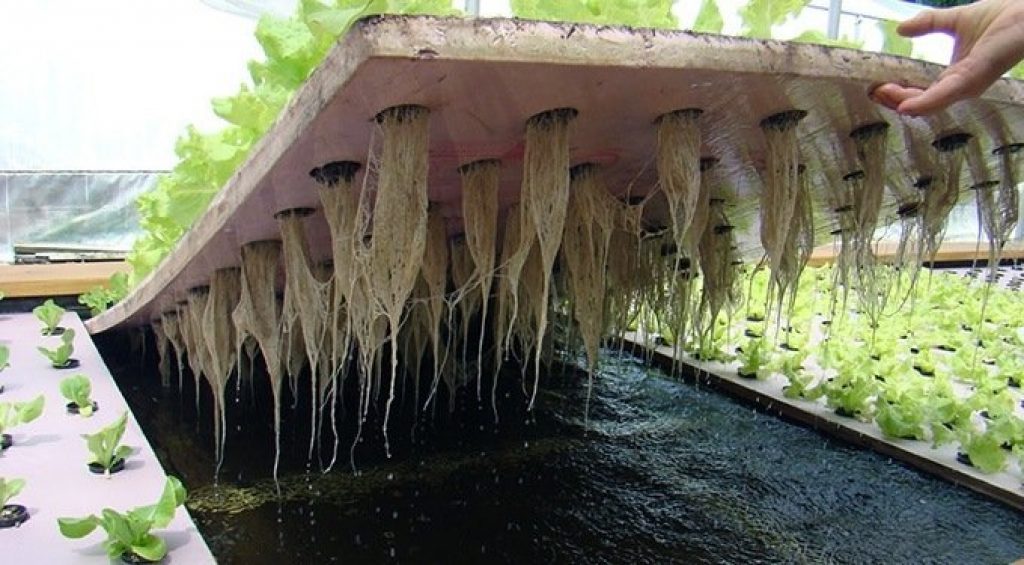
(835, 9)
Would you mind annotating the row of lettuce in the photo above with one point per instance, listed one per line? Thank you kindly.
(943, 363)
(129, 534)
(294, 46)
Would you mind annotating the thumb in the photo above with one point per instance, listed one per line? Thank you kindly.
(929, 21)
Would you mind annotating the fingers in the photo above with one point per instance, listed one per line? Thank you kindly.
(891, 95)
(942, 93)
(929, 21)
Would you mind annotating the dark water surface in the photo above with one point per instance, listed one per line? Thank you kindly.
(663, 472)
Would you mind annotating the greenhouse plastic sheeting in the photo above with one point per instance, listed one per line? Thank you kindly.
(79, 209)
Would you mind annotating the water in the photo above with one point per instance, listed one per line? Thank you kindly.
(662, 473)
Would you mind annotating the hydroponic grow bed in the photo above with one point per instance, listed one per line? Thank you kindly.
(50, 455)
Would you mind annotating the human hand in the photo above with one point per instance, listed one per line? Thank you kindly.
(989, 41)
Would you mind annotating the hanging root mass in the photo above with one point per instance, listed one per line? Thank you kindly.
(456, 288)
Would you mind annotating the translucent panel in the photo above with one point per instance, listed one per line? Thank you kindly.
(77, 210)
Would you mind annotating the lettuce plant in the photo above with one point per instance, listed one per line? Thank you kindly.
(16, 413)
(9, 488)
(647, 13)
(967, 366)
(60, 357)
(800, 381)
(50, 315)
(901, 411)
(946, 413)
(107, 453)
(925, 362)
(712, 344)
(985, 451)
(11, 514)
(852, 391)
(78, 390)
(129, 534)
(101, 297)
(754, 358)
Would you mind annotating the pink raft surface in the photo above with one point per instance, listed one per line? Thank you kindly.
(482, 79)
(51, 456)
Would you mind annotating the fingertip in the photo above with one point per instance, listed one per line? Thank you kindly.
(928, 21)
(919, 106)
(915, 26)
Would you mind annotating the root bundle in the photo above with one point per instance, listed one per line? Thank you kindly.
(787, 229)
(545, 196)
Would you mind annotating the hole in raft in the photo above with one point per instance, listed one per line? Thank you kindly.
(1008, 148)
(908, 210)
(685, 113)
(783, 120)
(854, 175)
(582, 170)
(706, 163)
(868, 131)
(951, 142)
(985, 184)
(402, 113)
(72, 408)
(922, 183)
(300, 212)
(99, 469)
(556, 115)
(330, 174)
(200, 289)
(12, 515)
(479, 163)
(654, 231)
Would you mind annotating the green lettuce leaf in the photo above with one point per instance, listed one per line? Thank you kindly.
(892, 42)
(709, 18)
(639, 13)
(759, 16)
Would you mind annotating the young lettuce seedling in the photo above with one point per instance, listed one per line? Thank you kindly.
(128, 534)
(50, 315)
(15, 413)
(11, 514)
(754, 357)
(60, 358)
(107, 455)
(78, 390)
